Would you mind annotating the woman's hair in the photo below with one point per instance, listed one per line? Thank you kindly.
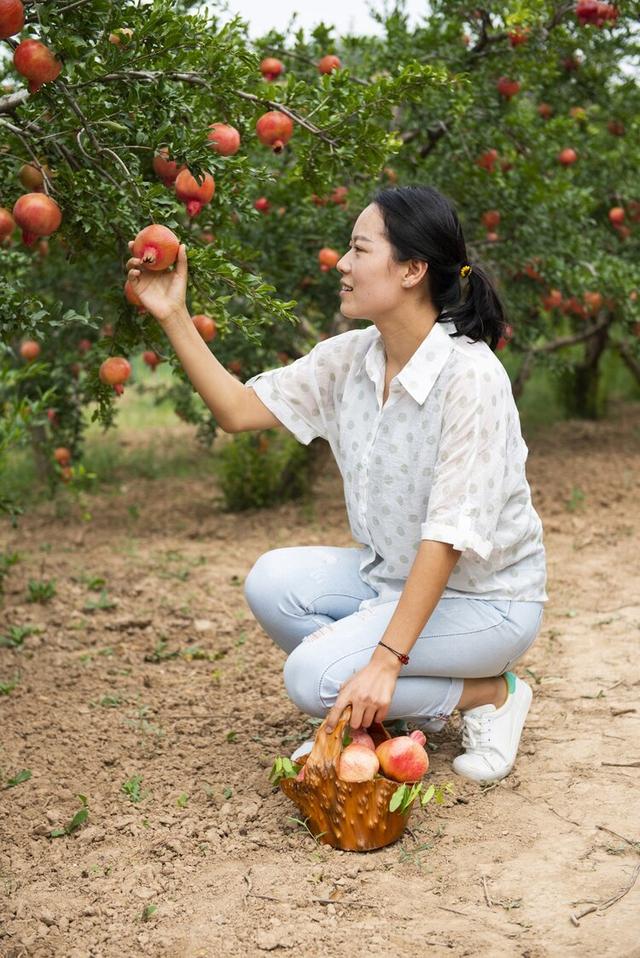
(422, 224)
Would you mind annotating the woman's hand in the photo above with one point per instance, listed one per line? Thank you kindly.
(369, 692)
(161, 292)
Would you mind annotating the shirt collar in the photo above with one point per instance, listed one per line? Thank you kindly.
(419, 375)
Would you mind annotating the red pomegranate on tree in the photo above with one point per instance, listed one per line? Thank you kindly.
(114, 372)
(205, 326)
(545, 110)
(224, 139)
(262, 204)
(11, 18)
(517, 37)
(151, 359)
(328, 258)
(62, 456)
(166, 168)
(36, 215)
(567, 157)
(329, 63)
(192, 193)
(487, 160)
(507, 88)
(36, 62)
(271, 68)
(157, 246)
(29, 350)
(616, 215)
(7, 224)
(32, 177)
(491, 219)
(274, 129)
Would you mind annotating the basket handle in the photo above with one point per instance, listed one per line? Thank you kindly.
(327, 746)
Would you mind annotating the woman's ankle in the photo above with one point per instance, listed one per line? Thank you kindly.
(489, 691)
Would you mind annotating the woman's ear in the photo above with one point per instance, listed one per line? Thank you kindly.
(414, 273)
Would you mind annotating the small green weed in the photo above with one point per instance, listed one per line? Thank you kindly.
(41, 590)
(7, 687)
(16, 635)
(78, 819)
(102, 602)
(131, 788)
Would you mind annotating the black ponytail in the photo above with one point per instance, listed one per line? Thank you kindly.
(422, 224)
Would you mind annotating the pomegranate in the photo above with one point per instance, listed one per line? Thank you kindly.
(516, 37)
(156, 246)
(11, 18)
(270, 68)
(66, 473)
(358, 764)
(62, 455)
(274, 129)
(194, 195)
(402, 759)
(52, 416)
(132, 297)
(115, 371)
(553, 300)
(36, 215)
(339, 195)
(545, 110)
(329, 63)
(235, 366)
(262, 204)
(615, 128)
(593, 302)
(207, 236)
(29, 350)
(36, 62)
(224, 139)
(7, 224)
(31, 177)
(578, 113)
(121, 36)
(491, 219)
(205, 326)
(151, 359)
(492, 237)
(360, 737)
(487, 160)
(507, 88)
(567, 157)
(84, 346)
(616, 215)
(328, 258)
(165, 168)
(418, 737)
(506, 339)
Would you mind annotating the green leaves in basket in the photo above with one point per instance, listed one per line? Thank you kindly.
(405, 795)
(283, 767)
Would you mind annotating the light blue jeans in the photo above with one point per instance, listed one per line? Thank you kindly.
(307, 599)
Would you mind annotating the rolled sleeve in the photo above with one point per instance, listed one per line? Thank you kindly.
(292, 394)
(468, 490)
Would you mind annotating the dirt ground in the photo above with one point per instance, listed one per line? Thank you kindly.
(173, 681)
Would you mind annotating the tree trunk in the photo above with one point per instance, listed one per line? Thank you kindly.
(579, 386)
(41, 458)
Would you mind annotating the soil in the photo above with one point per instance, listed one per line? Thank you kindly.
(172, 680)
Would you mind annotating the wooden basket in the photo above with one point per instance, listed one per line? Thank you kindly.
(353, 816)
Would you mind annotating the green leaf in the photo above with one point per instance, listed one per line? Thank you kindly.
(22, 776)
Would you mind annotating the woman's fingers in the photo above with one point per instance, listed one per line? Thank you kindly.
(133, 274)
(133, 262)
(130, 244)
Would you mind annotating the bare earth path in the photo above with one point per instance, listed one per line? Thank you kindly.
(176, 683)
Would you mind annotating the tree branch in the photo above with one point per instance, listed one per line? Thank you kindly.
(197, 80)
(629, 359)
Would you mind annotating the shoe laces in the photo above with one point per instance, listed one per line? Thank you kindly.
(476, 733)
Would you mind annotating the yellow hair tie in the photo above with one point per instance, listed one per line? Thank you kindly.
(465, 270)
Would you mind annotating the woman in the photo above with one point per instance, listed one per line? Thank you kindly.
(446, 590)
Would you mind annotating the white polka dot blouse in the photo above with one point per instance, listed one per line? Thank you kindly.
(443, 458)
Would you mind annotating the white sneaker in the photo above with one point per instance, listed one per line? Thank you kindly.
(491, 736)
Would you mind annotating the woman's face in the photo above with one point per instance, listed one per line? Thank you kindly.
(378, 285)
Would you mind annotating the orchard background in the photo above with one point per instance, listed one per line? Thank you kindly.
(130, 520)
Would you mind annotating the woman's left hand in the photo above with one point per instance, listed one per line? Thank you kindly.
(369, 692)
